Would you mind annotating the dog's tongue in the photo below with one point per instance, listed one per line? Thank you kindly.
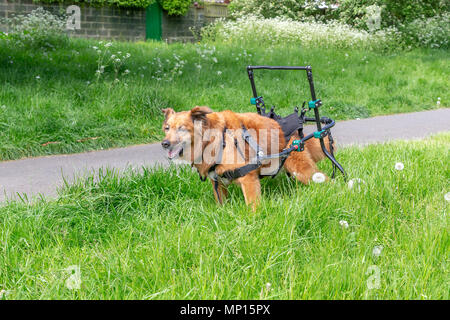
(173, 153)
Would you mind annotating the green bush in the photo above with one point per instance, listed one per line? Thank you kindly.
(173, 7)
(38, 29)
(293, 9)
(351, 12)
(431, 32)
(101, 3)
(176, 7)
(394, 12)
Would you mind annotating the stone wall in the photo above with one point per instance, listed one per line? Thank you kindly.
(116, 23)
(94, 22)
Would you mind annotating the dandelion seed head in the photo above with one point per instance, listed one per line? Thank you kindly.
(399, 166)
(447, 196)
(343, 224)
(318, 177)
(377, 251)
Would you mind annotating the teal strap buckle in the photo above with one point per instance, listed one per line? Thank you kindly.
(255, 100)
(314, 104)
(319, 134)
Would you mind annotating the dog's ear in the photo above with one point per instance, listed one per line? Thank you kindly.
(199, 113)
(167, 112)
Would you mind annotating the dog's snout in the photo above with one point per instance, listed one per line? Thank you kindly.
(165, 144)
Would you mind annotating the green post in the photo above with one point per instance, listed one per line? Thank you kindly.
(153, 15)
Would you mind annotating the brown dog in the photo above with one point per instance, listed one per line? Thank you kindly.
(212, 142)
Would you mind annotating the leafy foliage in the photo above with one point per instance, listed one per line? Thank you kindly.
(100, 3)
(416, 22)
(39, 28)
(176, 7)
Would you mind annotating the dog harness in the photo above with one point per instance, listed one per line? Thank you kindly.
(289, 125)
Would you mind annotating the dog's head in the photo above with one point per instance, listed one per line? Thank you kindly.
(180, 128)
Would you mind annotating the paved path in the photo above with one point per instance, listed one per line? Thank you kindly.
(44, 175)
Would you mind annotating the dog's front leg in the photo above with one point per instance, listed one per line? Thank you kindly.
(251, 188)
(222, 190)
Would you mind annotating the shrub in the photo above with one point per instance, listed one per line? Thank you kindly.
(352, 12)
(294, 9)
(173, 7)
(176, 7)
(99, 3)
(39, 28)
(253, 29)
(431, 32)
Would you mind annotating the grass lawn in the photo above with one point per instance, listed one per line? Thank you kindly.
(52, 102)
(159, 235)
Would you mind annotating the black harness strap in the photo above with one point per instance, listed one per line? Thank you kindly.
(213, 167)
(244, 170)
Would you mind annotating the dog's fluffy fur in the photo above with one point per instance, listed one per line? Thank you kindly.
(180, 131)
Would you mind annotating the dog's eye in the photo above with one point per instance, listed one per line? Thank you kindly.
(166, 128)
(182, 129)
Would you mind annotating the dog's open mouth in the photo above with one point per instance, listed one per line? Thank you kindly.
(176, 151)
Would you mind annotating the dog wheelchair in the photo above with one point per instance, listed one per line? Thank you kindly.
(289, 125)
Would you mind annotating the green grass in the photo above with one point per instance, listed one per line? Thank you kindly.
(68, 107)
(158, 234)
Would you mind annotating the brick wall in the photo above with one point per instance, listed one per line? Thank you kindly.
(115, 23)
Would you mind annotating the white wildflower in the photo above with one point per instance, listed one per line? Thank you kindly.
(109, 44)
(318, 177)
(447, 196)
(219, 73)
(399, 166)
(344, 224)
(38, 77)
(268, 286)
(377, 251)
